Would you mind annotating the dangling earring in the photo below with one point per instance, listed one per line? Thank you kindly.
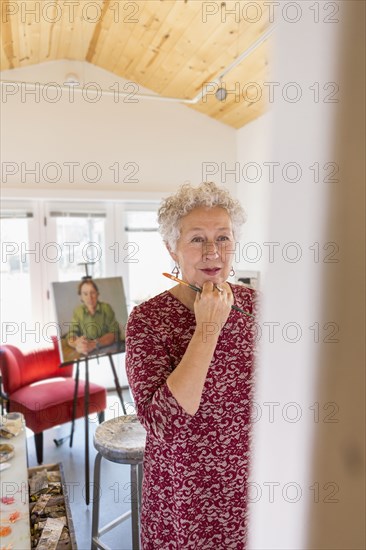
(232, 272)
(176, 271)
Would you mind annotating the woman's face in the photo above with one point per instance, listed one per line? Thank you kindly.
(206, 246)
(89, 296)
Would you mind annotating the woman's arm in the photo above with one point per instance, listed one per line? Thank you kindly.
(163, 400)
(83, 345)
(75, 333)
(187, 380)
(106, 340)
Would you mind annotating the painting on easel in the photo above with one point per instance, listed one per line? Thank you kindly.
(91, 316)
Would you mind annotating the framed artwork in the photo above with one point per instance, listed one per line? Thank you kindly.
(91, 316)
(248, 278)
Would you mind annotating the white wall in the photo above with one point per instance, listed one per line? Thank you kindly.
(308, 465)
(166, 142)
(253, 190)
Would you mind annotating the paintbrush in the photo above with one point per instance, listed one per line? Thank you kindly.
(197, 289)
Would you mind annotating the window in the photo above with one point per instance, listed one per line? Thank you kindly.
(81, 240)
(46, 242)
(19, 256)
(15, 288)
(148, 256)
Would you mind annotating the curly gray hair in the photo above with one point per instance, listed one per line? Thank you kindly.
(207, 194)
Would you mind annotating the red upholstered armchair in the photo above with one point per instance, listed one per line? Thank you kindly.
(36, 386)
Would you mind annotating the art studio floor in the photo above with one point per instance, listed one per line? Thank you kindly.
(115, 478)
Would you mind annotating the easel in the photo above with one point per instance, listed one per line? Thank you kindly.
(85, 359)
(86, 411)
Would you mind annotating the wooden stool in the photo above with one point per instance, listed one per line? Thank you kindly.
(120, 440)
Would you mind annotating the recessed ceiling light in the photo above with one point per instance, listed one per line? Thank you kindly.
(72, 79)
(221, 94)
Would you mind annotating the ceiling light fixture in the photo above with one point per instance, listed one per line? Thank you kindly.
(72, 79)
(221, 94)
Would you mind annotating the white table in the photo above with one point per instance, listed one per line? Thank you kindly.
(14, 483)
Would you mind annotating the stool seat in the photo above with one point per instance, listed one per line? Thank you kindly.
(121, 440)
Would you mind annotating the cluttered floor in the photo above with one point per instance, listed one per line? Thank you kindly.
(115, 479)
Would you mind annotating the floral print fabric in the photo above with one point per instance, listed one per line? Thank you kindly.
(195, 467)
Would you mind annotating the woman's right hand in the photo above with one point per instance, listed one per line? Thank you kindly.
(212, 307)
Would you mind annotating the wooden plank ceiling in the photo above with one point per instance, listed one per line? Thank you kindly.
(174, 48)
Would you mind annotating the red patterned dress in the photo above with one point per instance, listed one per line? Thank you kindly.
(195, 467)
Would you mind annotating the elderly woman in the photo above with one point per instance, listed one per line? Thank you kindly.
(189, 363)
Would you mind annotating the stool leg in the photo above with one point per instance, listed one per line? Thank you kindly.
(140, 473)
(96, 498)
(135, 508)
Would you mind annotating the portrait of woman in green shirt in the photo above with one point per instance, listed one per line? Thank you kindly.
(93, 323)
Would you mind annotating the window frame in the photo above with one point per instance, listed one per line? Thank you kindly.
(42, 230)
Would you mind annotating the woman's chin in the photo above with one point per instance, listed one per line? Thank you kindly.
(215, 279)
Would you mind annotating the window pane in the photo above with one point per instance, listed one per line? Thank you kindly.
(15, 288)
(150, 259)
(82, 239)
(141, 220)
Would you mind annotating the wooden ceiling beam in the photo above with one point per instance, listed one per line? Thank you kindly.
(7, 42)
(146, 49)
(105, 6)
